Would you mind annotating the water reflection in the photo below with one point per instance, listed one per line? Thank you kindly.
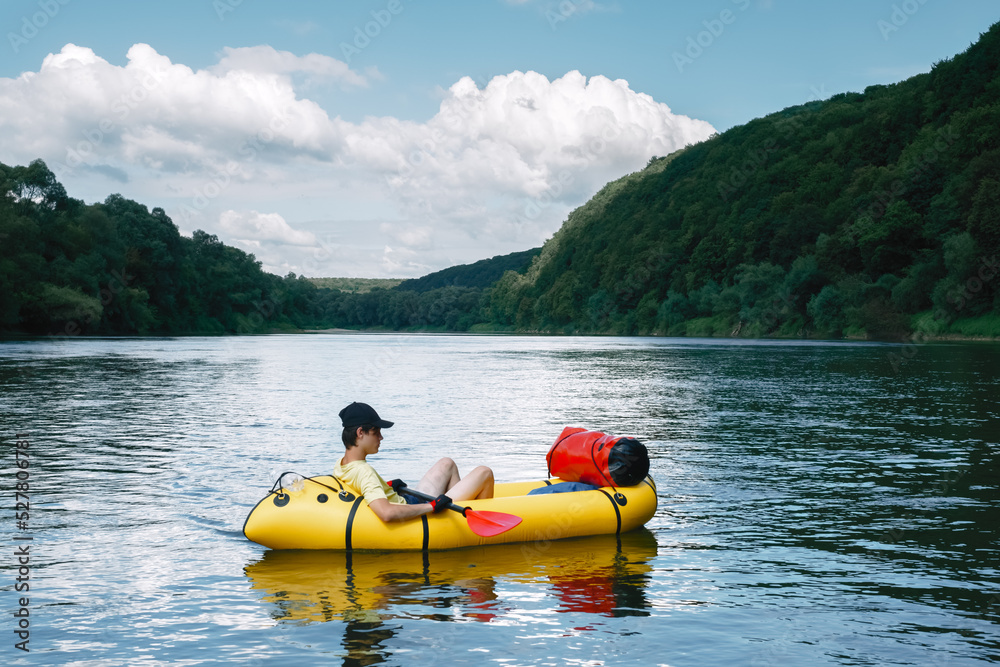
(601, 575)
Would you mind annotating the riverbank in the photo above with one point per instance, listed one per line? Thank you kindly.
(985, 328)
(950, 337)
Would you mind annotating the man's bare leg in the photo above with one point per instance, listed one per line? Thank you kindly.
(443, 477)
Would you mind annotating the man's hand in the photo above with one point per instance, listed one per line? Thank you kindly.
(396, 484)
(440, 503)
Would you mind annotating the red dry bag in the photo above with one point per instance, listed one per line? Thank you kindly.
(579, 455)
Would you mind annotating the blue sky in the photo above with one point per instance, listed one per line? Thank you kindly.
(368, 177)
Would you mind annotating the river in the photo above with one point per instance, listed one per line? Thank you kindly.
(820, 503)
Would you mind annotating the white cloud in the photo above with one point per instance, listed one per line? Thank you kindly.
(413, 237)
(519, 133)
(508, 161)
(268, 236)
(300, 27)
(495, 170)
(267, 60)
(251, 226)
(78, 109)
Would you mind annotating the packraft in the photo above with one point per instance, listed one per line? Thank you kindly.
(324, 512)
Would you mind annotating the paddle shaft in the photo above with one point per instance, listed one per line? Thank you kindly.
(481, 522)
(423, 496)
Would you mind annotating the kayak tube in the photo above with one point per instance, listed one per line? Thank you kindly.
(324, 513)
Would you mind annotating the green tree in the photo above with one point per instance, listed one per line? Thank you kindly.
(984, 217)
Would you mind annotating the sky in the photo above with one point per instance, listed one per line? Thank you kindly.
(393, 138)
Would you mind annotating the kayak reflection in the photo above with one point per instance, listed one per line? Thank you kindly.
(601, 575)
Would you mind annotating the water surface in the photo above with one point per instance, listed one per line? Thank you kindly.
(817, 506)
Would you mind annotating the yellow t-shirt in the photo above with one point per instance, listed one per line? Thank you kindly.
(362, 476)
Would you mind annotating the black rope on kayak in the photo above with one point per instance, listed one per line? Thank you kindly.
(343, 493)
(548, 459)
(619, 497)
(279, 488)
(593, 459)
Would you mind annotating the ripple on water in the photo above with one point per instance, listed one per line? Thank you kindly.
(815, 507)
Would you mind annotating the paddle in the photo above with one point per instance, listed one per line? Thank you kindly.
(482, 522)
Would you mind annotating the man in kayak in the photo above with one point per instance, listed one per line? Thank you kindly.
(362, 436)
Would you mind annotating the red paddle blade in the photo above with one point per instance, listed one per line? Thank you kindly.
(488, 524)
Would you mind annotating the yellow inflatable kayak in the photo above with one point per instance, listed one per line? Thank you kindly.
(324, 513)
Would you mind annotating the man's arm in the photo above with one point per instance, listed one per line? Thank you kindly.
(395, 512)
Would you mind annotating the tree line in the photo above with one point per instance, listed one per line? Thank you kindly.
(69, 268)
(871, 214)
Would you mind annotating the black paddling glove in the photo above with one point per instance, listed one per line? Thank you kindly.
(440, 503)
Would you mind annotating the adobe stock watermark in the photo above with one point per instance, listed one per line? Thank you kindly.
(454, 117)
(945, 485)
(32, 25)
(117, 284)
(363, 35)
(755, 159)
(566, 9)
(592, 152)
(912, 172)
(560, 526)
(223, 7)
(379, 365)
(991, 607)
(121, 108)
(321, 256)
(220, 181)
(931, 326)
(264, 311)
(781, 650)
(899, 17)
(21, 562)
(714, 28)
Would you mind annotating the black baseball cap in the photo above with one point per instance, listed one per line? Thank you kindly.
(361, 414)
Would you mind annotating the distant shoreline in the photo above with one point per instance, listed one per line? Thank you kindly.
(944, 338)
(852, 339)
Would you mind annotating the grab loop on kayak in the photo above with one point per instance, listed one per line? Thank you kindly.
(343, 494)
(296, 482)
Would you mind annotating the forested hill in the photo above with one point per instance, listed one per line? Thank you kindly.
(874, 213)
(479, 274)
(70, 268)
